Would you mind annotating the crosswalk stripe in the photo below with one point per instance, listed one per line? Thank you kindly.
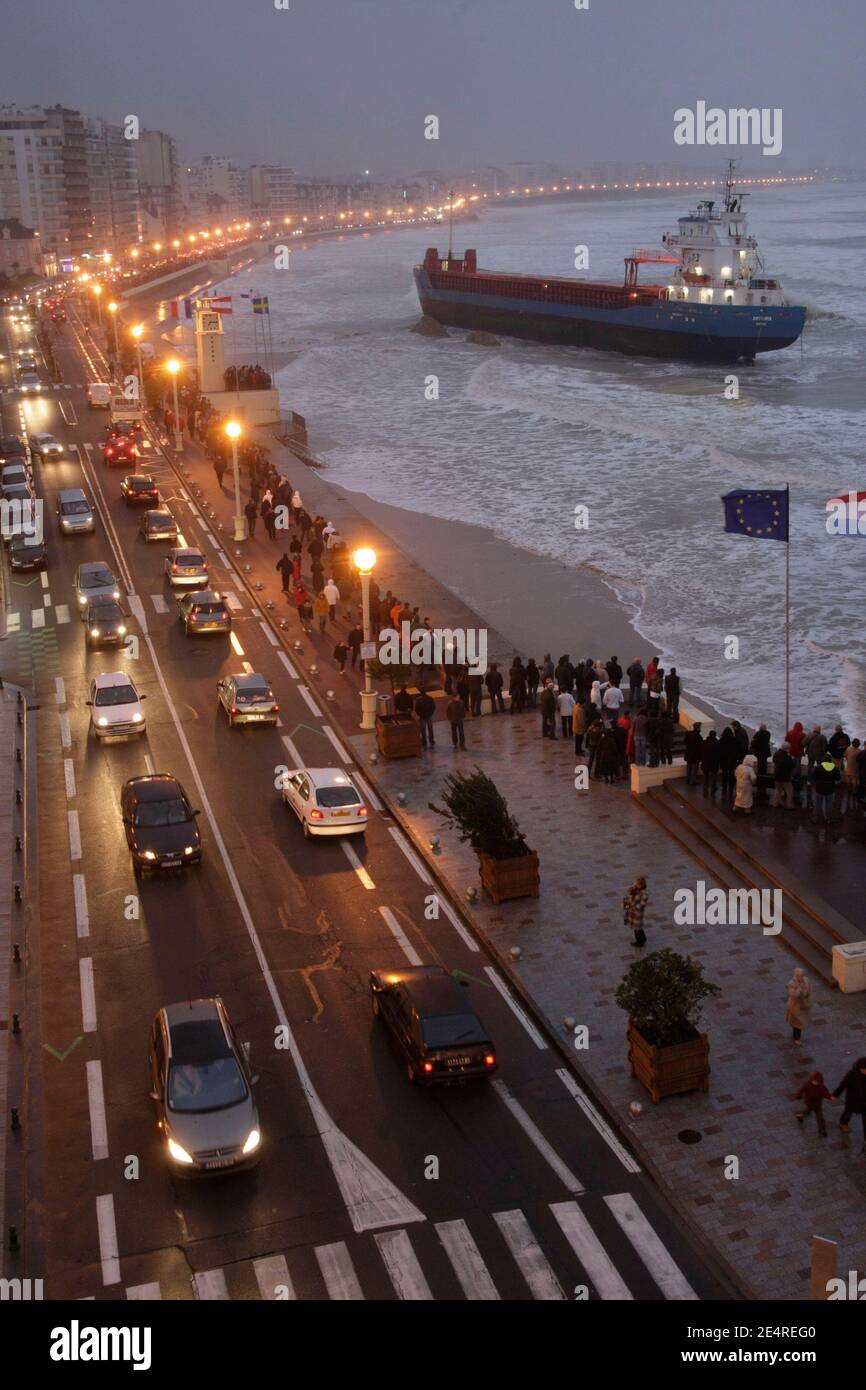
(211, 1285)
(661, 1265)
(475, 1281)
(272, 1273)
(37, 617)
(592, 1255)
(13, 622)
(338, 1272)
(528, 1256)
(159, 603)
(402, 1265)
(144, 1292)
(61, 612)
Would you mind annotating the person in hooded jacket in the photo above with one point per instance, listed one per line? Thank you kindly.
(761, 747)
(825, 777)
(614, 671)
(813, 1093)
(783, 771)
(837, 745)
(729, 757)
(607, 761)
(547, 705)
(635, 675)
(746, 779)
(593, 739)
(710, 763)
(795, 738)
(578, 727)
(693, 747)
(853, 1083)
(741, 739)
(564, 674)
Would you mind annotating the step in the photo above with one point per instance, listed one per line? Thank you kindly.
(803, 936)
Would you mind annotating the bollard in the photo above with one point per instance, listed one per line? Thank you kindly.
(16, 953)
(16, 1123)
(18, 797)
(18, 844)
(17, 887)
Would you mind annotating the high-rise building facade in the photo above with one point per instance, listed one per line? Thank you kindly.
(273, 190)
(43, 175)
(112, 170)
(217, 188)
(159, 185)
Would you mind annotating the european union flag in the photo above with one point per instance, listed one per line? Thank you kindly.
(762, 514)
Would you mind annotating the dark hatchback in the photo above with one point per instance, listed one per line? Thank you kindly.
(159, 822)
(440, 1036)
(104, 624)
(139, 487)
(27, 554)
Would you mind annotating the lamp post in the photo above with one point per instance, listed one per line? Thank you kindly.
(233, 429)
(174, 367)
(97, 290)
(365, 563)
(136, 332)
(112, 309)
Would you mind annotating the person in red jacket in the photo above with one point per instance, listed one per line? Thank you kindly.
(795, 738)
(813, 1093)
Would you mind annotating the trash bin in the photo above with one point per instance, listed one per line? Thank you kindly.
(849, 966)
(384, 706)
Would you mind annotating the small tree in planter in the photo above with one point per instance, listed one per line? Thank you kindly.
(663, 995)
(476, 808)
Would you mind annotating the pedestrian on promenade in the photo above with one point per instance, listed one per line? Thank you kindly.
(494, 682)
(341, 652)
(547, 705)
(626, 717)
(305, 613)
(219, 467)
(614, 670)
(595, 729)
(251, 512)
(761, 747)
(295, 547)
(633, 907)
(666, 738)
(547, 667)
(455, 713)
(728, 759)
(655, 691)
(746, 779)
(635, 675)
(320, 608)
(795, 738)
(269, 517)
(853, 1083)
(607, 760)
(461, 684)
(476, 692)
(653, 738)
(315, 549)
(673, 688)
(741, 739)
(565, 707)
(354, 639)
(255, 492)
(640, 736)
(783, 770)
(317, 575)
(837, 745)
(693, 747)
(814, 747)
(517, 686)
(305, 522)
(825, 777)
(284, 566)
(622, 734)
(651, 669)
(578, 727)
(332, 594)
(851, 775)
(612, 702)
(403, 702)
(564, 673)
(799, 1004)
(813, 1093)
(710, 763)
(425, 708)
(533, 680)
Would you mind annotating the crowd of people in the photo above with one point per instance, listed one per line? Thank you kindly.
(249, 377)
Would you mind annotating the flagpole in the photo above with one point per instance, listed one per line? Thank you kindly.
(788, 612)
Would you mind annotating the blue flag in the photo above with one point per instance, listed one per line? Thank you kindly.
(761, 514)
(260, 304)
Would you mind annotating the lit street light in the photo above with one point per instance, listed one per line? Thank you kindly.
(112, 309)
(233, 429)
(365, 562)
(136, 332)
(97, 290)
(174, 367)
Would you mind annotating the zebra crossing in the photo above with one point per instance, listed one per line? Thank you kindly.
(408, 1263)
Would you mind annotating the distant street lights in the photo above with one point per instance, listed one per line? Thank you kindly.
(174, 367)
(112, 309)
(97, 290)
(365, 563)
(233, 430)
(136, 332)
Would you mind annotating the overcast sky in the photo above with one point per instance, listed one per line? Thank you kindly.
(344, 85)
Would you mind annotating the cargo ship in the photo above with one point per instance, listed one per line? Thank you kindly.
(718, 303)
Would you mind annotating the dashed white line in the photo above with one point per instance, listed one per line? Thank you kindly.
(46, 600)
(597, 1122)
(515, 1007)
(400, 937)
(288, 665)
(69, 778)
(357, 865)
(60, 690)
(13, 622)
(332, 737)
(235, 641)
(44, 577)
(96, 1104)
(458, 926)
(309, 701)
(410, 854)
(367, 791)
(65, 731)
(61, 613)
(108, 1251)
(534, 1134)
(82, 916)
(37, 617)
(231, 599)
(223, 559)
(267, 631)
(148, 762)
(88, 994)
(296, 759)
(74, 835)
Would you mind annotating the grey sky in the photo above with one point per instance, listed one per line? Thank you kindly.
(344, 85)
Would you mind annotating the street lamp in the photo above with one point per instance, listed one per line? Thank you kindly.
(233, 429)
(97, 290)
(365, 562)
(112, 309)
(136, 332)
(174, 367)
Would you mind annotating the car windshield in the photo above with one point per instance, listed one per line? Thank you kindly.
(213, 1085)
(189, 562)
(91, 579)
(104, 613)
(116, 695)
(253, 695)
(152, 814)
(143, 484)
(74, 508)
(452, 1030)
(337, 796)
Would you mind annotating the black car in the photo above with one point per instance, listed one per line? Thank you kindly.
(27, 554)
(441, 1037)
(139, 487)
(159, 822)
(119, 453)
(11, 444)
(104, 624)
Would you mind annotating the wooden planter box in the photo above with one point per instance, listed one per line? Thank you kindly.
(668, 1071)
(510, 878)
(398, 738)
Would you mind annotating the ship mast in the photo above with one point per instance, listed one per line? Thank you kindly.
(729, 185)
(450, 222)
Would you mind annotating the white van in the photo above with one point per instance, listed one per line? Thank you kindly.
(98, 395)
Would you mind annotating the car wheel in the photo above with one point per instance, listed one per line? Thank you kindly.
(377, 1008)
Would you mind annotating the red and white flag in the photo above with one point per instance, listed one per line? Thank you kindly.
(222, 304)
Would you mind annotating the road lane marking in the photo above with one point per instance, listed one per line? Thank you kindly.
(466, 1261)
(248, 670)
(37, 617)
(332, 738)
(592, 1255)
(69, 778)
(400, 937)
(209, 537)
(145, 1293)
(235, 641)
(410, 854)
(148, 762)
(357, 865)
(369, 795)
(223, 559)
(534, 1134)
(210, 1284)
(88, 994)
(458, 926)
(44, 577)
(595, 1119)
(82, 916)
(515, 1007)
(159, 603)
(267, 631)
(13, 622)
(402, 1265)
(231, 599)
(61, 613)
(272, 1273)
(96, 1105)
(256, 614)
(46, 600)
(528, 1256)
(65, 731)
(74, 835)
(107, 1227)
(288, 665)
(661, 1265)
(60, 690)
(338, 1272)
(136, 607)
(309, 701)
(297, 760)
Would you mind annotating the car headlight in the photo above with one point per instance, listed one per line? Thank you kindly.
(94, 632)
(102, 721)
(136, 718)
(254, 1138)
(189, 849)
(81, 599)
(115, 594)
(178, 1154)
(148, 854)
(122, 630)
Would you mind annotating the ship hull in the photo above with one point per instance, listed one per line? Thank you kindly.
(671, 329)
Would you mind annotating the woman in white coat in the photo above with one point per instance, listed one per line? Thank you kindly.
(799, 1003)
(745, 778)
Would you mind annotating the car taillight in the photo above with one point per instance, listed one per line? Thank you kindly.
(234, 709)
(362, 810)
(223, 614)
(175, 569)
(316, 815)
(490, 1060)
(276, 707)
(428, 1066)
